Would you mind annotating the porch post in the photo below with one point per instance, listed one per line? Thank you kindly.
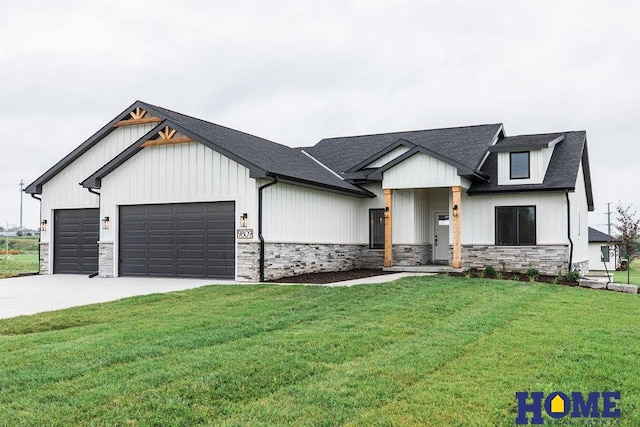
(457, 248)
(388, 244)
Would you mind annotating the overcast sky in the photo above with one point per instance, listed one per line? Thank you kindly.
(295, 72)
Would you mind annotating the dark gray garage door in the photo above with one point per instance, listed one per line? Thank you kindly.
(75, 241)
(178, 240)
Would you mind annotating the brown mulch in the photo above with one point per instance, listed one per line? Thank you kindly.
(331, 277)
(520, 277)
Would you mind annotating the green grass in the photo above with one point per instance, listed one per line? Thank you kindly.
(421, 351)
(621, 276)
(24, 262)
(17, 264)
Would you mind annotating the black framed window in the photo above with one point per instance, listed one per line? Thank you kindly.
(376, 228)
(519, 163)
(515, 225)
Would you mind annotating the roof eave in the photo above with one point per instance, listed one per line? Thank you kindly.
(36, 186)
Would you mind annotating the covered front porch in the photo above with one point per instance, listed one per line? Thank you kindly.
(422, 229)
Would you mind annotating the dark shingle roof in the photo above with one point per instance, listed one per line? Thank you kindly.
(464, 145)
(561, 173)
(599, 236)
(265, 155)
(528, 142)
(264, 158)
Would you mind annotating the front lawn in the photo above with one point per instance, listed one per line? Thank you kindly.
(420, 351)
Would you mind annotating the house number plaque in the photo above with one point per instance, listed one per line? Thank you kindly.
(245, 233)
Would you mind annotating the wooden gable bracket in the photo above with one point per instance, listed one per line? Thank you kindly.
(166, 137)
(138, 118)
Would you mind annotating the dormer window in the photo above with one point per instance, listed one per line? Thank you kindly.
(520, 165)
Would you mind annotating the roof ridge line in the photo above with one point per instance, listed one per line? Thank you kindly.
(412, 131)
(216, 124)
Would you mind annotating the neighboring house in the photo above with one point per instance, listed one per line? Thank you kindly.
(165, 194)
(602, 245)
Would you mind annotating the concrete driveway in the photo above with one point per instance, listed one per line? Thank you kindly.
(35, 294)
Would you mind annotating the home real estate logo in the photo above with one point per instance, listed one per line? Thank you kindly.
(564, 410)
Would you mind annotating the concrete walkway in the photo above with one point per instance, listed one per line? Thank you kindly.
(35, 294)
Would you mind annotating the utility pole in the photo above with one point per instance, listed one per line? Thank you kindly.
(609, 218)
(21, 194)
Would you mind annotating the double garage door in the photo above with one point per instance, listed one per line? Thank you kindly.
(171, 240)
(177, 240)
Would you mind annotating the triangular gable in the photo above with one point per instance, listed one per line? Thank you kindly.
(462, 170)
(126, 116)
(165, 133)
(399, 144)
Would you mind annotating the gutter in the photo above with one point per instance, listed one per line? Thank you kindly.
(40, 234)
(92, 191)
(269, 184)
(569, 231)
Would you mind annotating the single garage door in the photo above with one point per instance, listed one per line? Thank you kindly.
(178, 240)
(75, 241)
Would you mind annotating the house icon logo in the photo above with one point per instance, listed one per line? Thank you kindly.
(580, 407)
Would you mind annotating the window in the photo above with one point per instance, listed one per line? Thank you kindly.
(519, 165)
(516, 225)
(376, 228)
(443, 219)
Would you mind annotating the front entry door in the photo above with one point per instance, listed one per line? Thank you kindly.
(441, 236)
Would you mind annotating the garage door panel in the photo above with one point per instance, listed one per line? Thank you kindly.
(75, 241)
(183, 240)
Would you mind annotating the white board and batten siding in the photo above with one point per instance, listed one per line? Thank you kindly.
(579, 219)
(479, 221)
(538, 162)
(178, 173)
(294, 214)
(595, 259)
(414, 213)
(63, 191)
(423, 171)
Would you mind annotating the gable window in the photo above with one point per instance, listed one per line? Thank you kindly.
(519, 165)
(376, 228)
(515, 225)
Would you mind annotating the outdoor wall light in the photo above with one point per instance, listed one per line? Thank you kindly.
(243, 220)
(105, 223)
(455, 210)
(386, 212)
(43, 225)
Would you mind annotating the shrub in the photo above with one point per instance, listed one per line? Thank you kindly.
(533, 274)
(490, 271)
(515, 277)
(499, 275)
(503, 267)
(573, 276)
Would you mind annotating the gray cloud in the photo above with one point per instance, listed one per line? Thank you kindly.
(295, 72)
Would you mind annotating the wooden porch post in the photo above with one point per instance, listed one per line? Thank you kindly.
(457, 248)
(388, 244)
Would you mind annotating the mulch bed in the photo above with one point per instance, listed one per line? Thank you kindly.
(339, 276)
(520, 277)
(331, 277)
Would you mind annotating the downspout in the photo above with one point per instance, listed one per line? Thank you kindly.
(269, 184)
(40, 234)
(92, 191)
(569, 231)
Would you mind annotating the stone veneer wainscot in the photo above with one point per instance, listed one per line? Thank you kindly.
(547, 259)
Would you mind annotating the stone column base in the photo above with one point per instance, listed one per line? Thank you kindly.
(44, 258)
(105, 259)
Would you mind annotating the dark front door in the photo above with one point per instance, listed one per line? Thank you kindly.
(178, 240)
(75, 241)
